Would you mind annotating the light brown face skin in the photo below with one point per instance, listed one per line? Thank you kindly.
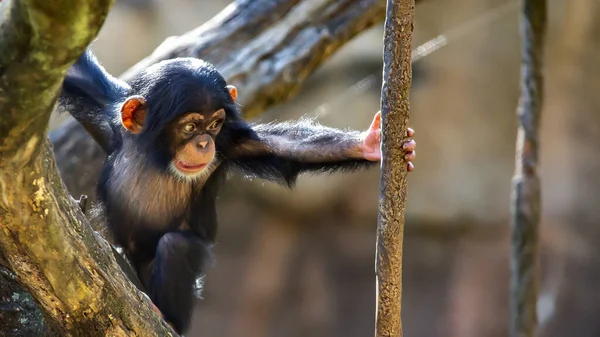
(197, 132)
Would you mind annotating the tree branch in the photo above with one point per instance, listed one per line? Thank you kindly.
(45, 239)
(266, 48)
(395, 112)
(526, 203)
(269, 47)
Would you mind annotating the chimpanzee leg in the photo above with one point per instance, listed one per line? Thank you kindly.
(180, 260)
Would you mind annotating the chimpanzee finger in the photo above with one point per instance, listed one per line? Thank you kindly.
(376, 123)
(410, 132)
(410, 156)
(411, 167)
(409, 146)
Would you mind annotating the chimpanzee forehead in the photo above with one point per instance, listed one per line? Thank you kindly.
(185, 89)
(197, 98)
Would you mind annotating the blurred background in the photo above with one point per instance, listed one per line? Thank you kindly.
(301, 262)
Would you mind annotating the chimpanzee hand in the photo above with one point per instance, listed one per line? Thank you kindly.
(372, 141)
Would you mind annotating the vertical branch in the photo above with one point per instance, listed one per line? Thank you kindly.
(395, 108)
(525, 203)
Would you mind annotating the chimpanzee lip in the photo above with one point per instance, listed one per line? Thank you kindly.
(189, 167)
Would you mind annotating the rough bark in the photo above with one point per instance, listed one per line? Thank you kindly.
(525, 203)
(19, 312)
(45, 239)
(395, 112)
(265, 48)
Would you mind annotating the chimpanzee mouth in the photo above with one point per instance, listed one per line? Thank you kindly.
(189, 168)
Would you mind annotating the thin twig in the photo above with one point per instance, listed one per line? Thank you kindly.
(395, 109)
(81, 202)
(525, 203)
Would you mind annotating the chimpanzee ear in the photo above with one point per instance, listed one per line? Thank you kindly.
(133, 113)
(232, 91)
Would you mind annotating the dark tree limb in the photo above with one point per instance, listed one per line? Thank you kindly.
(270, 47)
(395, 112)
(526, 200)
(266, 48)
(45, 239)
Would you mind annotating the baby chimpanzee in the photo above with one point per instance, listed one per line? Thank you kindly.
(171, 135)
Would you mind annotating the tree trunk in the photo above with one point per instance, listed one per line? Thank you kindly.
(45, 239)
(395, 111)
(525, 205)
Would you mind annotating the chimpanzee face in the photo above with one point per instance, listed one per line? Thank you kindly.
(192, 139)
(180, 108)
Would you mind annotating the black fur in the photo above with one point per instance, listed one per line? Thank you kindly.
(90, 93)
(167, 225)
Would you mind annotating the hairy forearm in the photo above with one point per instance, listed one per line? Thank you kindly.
(306, 141)
(279, 152)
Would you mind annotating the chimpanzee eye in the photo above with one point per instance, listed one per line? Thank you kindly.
(214, 125)
(189, 127)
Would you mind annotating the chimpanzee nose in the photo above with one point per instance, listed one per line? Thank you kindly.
(203, 144)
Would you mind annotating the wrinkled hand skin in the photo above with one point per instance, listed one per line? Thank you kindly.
(371, 144)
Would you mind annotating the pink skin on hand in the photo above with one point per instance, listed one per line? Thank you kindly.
(371, 144)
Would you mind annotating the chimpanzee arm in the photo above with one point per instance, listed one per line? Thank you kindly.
(281, 151)
(89, 94)
(303, 141)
